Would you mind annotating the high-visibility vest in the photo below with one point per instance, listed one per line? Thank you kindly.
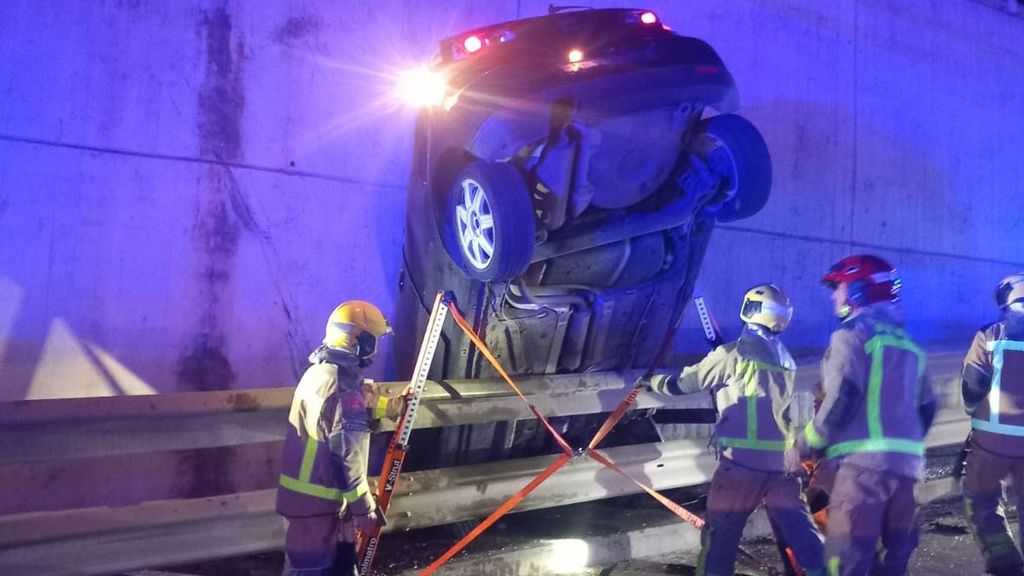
(887, 420)
(1003, 412)
(757, 428)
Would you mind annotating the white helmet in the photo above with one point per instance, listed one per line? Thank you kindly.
(1010, 290)
(767, 305)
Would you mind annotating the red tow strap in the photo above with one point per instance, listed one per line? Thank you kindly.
(591, 451)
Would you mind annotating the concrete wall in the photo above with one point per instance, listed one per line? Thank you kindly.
(892, 127)
(188, 188)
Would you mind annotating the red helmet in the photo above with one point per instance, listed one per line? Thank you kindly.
(870, 279)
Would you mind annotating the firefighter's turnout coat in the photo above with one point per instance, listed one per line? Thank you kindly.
(323, 467)
(752, 382)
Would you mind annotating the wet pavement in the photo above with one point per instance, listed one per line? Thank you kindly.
(542, 542)
(946, 547)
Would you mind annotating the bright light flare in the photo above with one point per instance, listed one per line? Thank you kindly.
(568, 556)
(575, 55)
(649, 18)
(421, 87)
(472, 43)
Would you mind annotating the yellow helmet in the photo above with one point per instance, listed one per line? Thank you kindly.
(1010, 289)
(768, 306)
(355, 326)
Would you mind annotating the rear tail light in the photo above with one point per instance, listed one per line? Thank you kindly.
(478, 40)
(644, 18)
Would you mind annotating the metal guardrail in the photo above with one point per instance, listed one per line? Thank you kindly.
(94, 486)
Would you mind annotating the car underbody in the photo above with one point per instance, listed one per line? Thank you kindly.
(568, 210)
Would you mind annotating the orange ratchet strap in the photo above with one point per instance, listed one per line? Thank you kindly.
(461, 321)
(497, 514)
(590, 451)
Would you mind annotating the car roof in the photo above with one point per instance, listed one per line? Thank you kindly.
(604, 25)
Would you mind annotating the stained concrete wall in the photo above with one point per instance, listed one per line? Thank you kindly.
(187, 188)
(892, 127)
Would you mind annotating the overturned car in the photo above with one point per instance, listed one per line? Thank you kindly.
(565, 181)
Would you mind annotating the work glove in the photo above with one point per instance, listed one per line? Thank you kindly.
(804, 450)
(361, 514)
(351, 524)
(659, 383)
(365, 523)
(380, 406)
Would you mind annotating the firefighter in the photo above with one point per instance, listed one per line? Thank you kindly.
(877, 405)
(323, 492)
(752, 382)
(993, 392)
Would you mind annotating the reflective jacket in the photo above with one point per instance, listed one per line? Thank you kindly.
(324, 463)
(993, 390)
(752, 380)
(877, 401)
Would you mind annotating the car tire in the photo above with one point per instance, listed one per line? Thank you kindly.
(734, 150)
(490, 221)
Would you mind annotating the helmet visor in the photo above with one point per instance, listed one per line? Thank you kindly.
(367, 345)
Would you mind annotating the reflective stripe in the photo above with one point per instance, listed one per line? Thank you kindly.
(381, 409)
(751, 398)
(995, 394)
(833, 566)
(997, 428)
(357, 492)
(308, 458)
(897, 339)
(1005, 345)
(886, 336)
(748, 371)
(814, 440)
(875, 388)
(302, 485)
(997, 347)
(764, 366)
(296, 485)
(749, 444)
(899, 445)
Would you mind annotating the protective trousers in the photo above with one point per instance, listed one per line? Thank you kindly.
(734, 494)
(311, 548)
(865, 507)
(984, 510)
